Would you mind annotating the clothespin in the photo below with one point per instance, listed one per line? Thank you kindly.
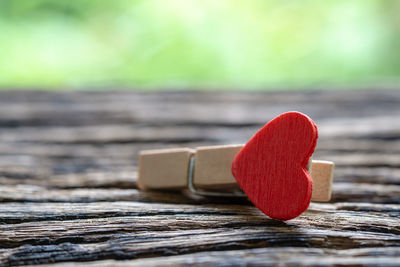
(274, 169)
(207, 171)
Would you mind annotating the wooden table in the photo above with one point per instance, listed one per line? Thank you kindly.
(68, 180)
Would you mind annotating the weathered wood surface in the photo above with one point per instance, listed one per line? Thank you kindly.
(68, 190)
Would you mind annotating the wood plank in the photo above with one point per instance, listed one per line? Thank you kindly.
(349, 192)
(271, 256)
(318, 215)
(225, 226)
(166, 243)
(66, 108)
(372, 128)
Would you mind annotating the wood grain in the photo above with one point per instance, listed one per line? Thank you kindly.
(68, 180)
(271, 256)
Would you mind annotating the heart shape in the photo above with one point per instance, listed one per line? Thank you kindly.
(272, 167)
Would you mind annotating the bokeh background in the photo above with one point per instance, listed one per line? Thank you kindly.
(224, 44)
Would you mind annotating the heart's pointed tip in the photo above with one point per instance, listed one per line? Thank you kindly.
(284, 219)
(301, 207)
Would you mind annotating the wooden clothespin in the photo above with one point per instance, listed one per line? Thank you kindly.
(168, 169)
(273, 169)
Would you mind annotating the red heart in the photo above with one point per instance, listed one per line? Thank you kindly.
(272, 167)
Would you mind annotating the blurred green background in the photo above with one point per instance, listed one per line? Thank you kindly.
(198, 44)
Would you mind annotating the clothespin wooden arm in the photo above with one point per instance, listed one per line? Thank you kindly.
(168, 169)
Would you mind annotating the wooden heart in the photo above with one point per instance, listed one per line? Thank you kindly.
(272, 167)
